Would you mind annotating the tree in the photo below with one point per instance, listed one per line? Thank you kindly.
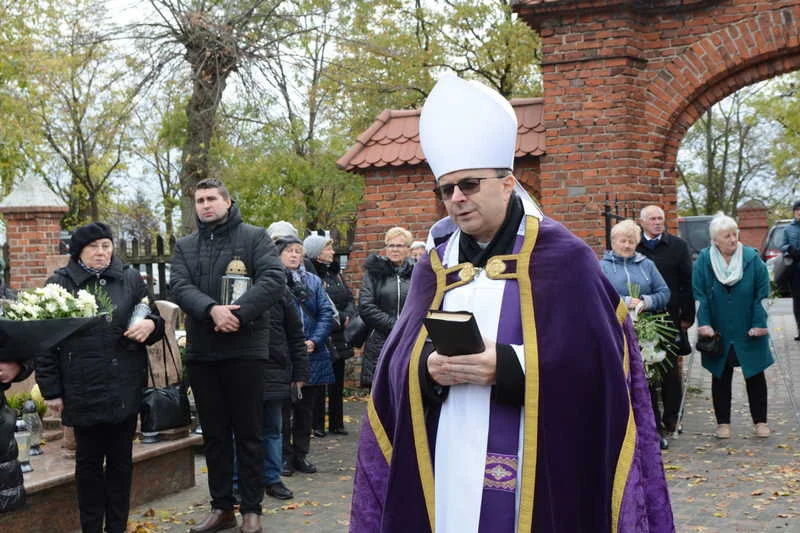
(780, 102)
(724, 158)
(83, 97)
(392, 52)
(216, 38)
(18, 142)
(161, 133)
(133, 218)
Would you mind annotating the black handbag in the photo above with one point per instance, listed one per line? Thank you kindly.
(710, 346)
(356, 332)
(165, 407)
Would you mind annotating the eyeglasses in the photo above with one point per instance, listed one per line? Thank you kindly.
(396, 246)
(467, 186)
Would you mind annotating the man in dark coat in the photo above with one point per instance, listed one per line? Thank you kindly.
(673, 260)
(227, 346)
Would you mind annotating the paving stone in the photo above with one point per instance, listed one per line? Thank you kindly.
(752, 484)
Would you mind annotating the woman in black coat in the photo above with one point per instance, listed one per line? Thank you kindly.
(287, 368)
(320, 250)
(383, 293)
(95, 377)
(12, 491)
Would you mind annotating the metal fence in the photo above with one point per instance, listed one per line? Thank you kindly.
(620, 211)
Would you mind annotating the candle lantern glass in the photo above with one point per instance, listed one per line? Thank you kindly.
(35, 426)
(140, 311)
(233, 287)
(23, 438)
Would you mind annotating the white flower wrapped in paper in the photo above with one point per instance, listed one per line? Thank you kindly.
(650, 352)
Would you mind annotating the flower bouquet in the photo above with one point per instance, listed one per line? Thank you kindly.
(656, 335)
(41, 318)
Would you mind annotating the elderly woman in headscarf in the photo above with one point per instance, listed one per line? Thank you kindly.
(320, 250)
(95, 377)
(316, 311)
(729, 282)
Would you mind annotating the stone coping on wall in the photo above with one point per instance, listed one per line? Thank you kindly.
(54, 467)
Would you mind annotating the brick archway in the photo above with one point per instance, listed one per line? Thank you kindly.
(625, 79)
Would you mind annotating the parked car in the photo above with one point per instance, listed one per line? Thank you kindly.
(694, 230)
(773, 240)
(771, 252)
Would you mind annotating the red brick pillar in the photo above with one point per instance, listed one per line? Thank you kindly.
(33, 214)
(753, 226)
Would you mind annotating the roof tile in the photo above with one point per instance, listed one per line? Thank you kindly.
(393, 139)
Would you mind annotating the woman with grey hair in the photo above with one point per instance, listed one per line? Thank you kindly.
(729, 281)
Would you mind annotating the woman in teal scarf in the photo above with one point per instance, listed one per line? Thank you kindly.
(729, 282)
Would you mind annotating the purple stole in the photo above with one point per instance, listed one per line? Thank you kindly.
(498, 502)
(498, 513)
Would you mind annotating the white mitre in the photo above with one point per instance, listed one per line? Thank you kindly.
(465, 125)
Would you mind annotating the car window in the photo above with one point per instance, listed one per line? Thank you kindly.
(776, 237)
(695, 232)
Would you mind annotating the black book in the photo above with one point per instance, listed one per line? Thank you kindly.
(454, 332)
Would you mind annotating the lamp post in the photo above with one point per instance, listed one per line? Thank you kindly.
(31, 417)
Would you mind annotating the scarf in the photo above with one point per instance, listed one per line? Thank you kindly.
(727, 273)
(501, 243)
(94, 271)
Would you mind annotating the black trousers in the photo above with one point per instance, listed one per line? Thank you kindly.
(297, 420)
(794, 287)
(103, 470)
(229, 396)
(671, 393)
(336, 397)
(721, 393)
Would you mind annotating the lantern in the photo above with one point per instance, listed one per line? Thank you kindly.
(35, 426)
(235, 282)
(23, 438)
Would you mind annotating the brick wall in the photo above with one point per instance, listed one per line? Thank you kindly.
(32, 236)
(623, 82)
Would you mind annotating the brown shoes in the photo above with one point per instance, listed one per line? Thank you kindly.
(251, 523)
(762, 430)
(723, 431)
(218, 520)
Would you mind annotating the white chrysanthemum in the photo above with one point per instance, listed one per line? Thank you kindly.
(650, 354)
(87, 303)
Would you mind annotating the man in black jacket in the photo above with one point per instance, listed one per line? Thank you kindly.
(227, 346)
(673, 260)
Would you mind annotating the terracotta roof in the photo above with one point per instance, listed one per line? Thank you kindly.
(393, 139)
(534, 2)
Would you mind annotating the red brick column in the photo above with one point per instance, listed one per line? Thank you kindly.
(33, 235)
(753, 226)
(623, 81)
